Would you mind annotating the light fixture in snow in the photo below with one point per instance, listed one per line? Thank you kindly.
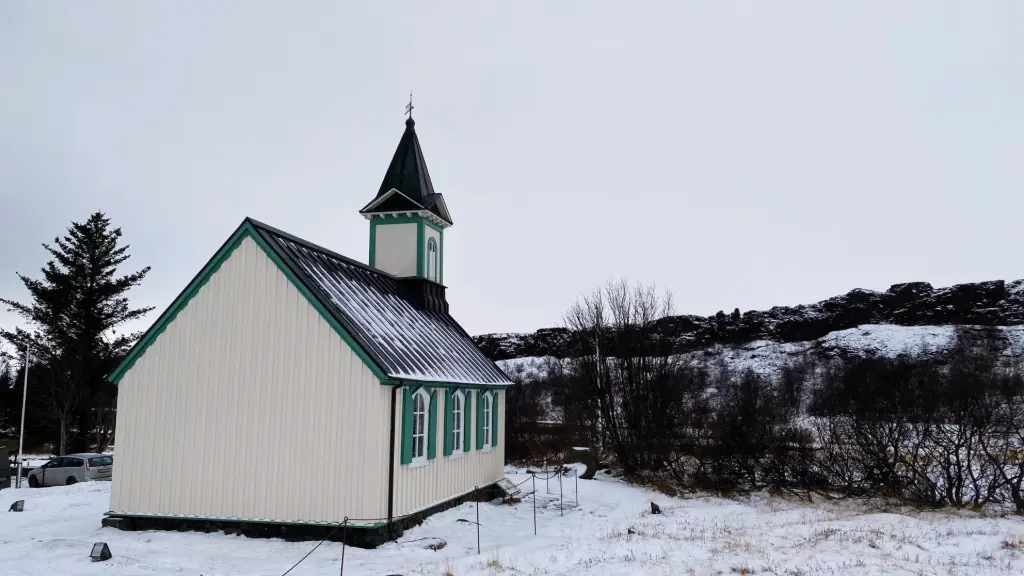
(18, 506)
(100, 552)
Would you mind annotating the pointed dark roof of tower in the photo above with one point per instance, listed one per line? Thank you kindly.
(408, 174)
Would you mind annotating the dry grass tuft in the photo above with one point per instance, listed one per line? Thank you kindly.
(1015, 543)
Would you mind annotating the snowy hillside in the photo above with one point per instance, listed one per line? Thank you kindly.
(914, 304)
(767, 358)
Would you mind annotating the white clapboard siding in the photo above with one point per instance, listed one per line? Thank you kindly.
(250, 406)
(444, 477)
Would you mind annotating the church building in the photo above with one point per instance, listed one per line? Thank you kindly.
(288, 387)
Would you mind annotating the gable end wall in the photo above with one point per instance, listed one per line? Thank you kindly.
(249, 406)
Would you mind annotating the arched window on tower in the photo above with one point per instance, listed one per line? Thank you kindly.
(432, 259)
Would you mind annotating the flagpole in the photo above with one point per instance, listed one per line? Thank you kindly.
(21, 433)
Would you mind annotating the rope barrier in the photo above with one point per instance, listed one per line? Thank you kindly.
(329, 534)
(532, 476)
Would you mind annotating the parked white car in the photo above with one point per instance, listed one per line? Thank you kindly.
(67, 470)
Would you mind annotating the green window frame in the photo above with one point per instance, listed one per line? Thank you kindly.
(419, 426)
(487, 419)
(494, 419)
(454, 422)
(468, 420)
(479, 420)
(432, 258)
(420, 408)
(432, 426)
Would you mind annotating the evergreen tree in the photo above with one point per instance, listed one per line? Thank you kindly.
(75, 310)
(8, 412)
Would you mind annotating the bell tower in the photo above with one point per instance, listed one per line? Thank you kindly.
(407, 218)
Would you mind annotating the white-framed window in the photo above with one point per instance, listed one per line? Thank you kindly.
(420, 425)
(432, 259)
(458, 423)
(488, 419)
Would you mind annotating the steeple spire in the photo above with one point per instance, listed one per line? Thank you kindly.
(407, 218)
(407, 174)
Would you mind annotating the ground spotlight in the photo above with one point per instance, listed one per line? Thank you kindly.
(100, 552)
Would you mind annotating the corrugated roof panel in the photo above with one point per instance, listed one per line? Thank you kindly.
(406, 341)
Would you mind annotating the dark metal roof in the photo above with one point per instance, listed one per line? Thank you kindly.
(408, 174)
(406, 339)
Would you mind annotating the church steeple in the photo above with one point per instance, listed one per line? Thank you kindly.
(407, 218)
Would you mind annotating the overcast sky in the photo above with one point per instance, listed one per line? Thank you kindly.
(739, 154)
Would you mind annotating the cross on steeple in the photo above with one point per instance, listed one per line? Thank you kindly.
(409, 106)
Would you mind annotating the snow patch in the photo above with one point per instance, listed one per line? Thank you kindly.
(609, 531)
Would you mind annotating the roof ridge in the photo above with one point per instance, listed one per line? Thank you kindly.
(317, 248)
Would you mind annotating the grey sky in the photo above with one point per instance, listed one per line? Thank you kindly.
(740, 154)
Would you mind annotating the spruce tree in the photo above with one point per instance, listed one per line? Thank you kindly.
(8, 412)
(75, 310)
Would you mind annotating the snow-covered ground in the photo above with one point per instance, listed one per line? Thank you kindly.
(610, 532)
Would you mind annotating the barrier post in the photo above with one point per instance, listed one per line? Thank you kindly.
(344, 539)
(560, 513)
(534, 480)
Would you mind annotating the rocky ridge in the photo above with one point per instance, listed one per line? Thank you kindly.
(993, 303)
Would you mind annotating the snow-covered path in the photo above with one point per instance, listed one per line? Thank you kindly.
(611, 532)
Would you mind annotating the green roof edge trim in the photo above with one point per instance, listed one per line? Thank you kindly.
(416, 384)
(315, 303)
(246, 230)
(179, 303)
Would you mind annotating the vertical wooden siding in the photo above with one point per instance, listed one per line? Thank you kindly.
(444, 477)
(249, 406)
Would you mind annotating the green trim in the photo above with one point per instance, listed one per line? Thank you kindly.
(373, 244)
(421, 223)
(244, 231)
(399, 381)
(494, 419)
(467, 420)
(432, 425)
(179, 303)
(351, 523)
(400, 220)
(467, 425)
(435, 227)
(449, 421)
(421, 248)
(407, 426)
(479, 420)
(313, 301)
